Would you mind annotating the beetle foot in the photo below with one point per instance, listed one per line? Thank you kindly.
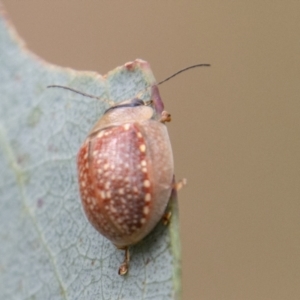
(165, 117)
(125, 265)
(123, 269)
(180, 184)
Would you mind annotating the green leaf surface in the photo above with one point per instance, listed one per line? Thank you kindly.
(48, 250)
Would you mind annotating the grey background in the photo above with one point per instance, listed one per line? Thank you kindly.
(235, 129)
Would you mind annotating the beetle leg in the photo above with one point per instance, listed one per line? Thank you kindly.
(165, 117)
(180, 184)
(166, 218)
(125, 265)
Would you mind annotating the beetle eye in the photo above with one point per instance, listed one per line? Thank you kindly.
(134, 102)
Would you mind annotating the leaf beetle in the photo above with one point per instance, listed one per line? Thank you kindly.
(126, 170)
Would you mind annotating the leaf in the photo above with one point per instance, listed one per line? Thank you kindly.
(48, 250)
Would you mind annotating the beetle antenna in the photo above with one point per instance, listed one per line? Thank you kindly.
(183, 70)
(72, 90)
(112, 103)
(78, 92)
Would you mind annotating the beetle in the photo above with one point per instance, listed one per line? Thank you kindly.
(126, 170)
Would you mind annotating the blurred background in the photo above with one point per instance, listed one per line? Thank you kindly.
(235, 126)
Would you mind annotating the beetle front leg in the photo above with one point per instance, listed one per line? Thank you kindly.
(165, 117)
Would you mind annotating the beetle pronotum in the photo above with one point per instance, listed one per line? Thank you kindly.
(126, 171)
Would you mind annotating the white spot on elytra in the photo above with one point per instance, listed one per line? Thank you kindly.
(143, 220)
(121, 191)
(126, 126)
(143, 163)
(148, 197)
(146, 210)
(142, 147)
(144, 170)
(100, 134)
(106, 166)
(146, 183)
(103, 195)
(139, 134)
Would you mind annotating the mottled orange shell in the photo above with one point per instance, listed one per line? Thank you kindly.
(125, 176)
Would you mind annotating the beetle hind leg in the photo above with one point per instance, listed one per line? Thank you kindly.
(125, 265)
(166, 218)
